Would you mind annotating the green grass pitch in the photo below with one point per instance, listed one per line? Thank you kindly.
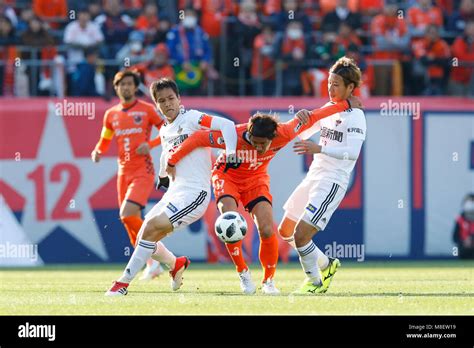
(410, 288)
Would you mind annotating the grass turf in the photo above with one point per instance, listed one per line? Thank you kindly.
(410, 288)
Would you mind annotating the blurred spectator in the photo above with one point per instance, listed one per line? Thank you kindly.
(133, 7)
(457, 21)
(7, 32)
(95, 9)
(348, 38)
(292, 51)
(463, 234)
(115, 26)
(148, 20)
(190, 52)
(133, 52)
(341, 13)
(246, 29)
(42, 50)
(370, 7)
(390, 40)
(328, 6)
(80, 35)
(432, 62)
(87, 80)
(328, 50)
(25, 16)
(462, 77)
(9, 12)
(7, 54)
(291, 12)
(158, 67)
(263, 62)
(421, 15)
(164, 25)
(53, 12)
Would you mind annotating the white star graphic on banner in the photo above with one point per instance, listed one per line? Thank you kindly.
(61, 169)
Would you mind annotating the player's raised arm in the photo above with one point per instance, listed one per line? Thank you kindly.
(103, 144)
(198, 139)
(224, 125)
(295, 126)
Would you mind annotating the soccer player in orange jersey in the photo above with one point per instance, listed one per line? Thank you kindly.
(248, 182)
(131, 122)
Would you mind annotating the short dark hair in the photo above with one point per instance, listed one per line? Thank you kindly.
(263, 125)
(162, 84)
(124, 73)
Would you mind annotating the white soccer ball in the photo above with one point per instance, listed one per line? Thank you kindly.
(231, 227)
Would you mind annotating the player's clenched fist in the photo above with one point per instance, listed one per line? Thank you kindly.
(95, 156)
(303, 115)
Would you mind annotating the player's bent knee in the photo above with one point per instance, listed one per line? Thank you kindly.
(286, 228)
(265, 232)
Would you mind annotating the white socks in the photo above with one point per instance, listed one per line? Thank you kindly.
(323, 260)
(309, 262)
(139, 258)
(163, 255)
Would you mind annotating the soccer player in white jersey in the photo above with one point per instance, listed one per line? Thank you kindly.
(311, 205)
(188, 195)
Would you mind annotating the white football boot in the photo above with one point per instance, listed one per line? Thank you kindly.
(246, 283)
(153, 270)
(269, 288)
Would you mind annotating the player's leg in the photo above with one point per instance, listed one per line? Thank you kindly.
(324, 198)
(262, 213)
(294, 207)
(136, 197)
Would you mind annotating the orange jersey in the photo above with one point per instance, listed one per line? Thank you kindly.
(253, 165)
(131, 124)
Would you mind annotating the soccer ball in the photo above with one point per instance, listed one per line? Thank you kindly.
(231, 227)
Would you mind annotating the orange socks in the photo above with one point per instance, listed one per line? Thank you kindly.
(132, 225)
(235, 252)
(268, 255)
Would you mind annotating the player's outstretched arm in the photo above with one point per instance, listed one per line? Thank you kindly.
(197, 139)
(295, 126)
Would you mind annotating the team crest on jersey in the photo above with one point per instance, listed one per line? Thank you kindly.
(137, 119)
(311, 208)
(172, 207)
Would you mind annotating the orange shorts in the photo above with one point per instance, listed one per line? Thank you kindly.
(224, 186)
(135, 188)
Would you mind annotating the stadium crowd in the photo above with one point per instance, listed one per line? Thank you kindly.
(232, 47)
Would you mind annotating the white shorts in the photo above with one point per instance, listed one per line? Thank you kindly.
(314, 201)
(182, 205)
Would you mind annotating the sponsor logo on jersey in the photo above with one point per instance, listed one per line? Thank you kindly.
(331, 134)
(172, 207)
(176, 141)
(355, 130)
(211, 139)
(311, 208)
(128, 131)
